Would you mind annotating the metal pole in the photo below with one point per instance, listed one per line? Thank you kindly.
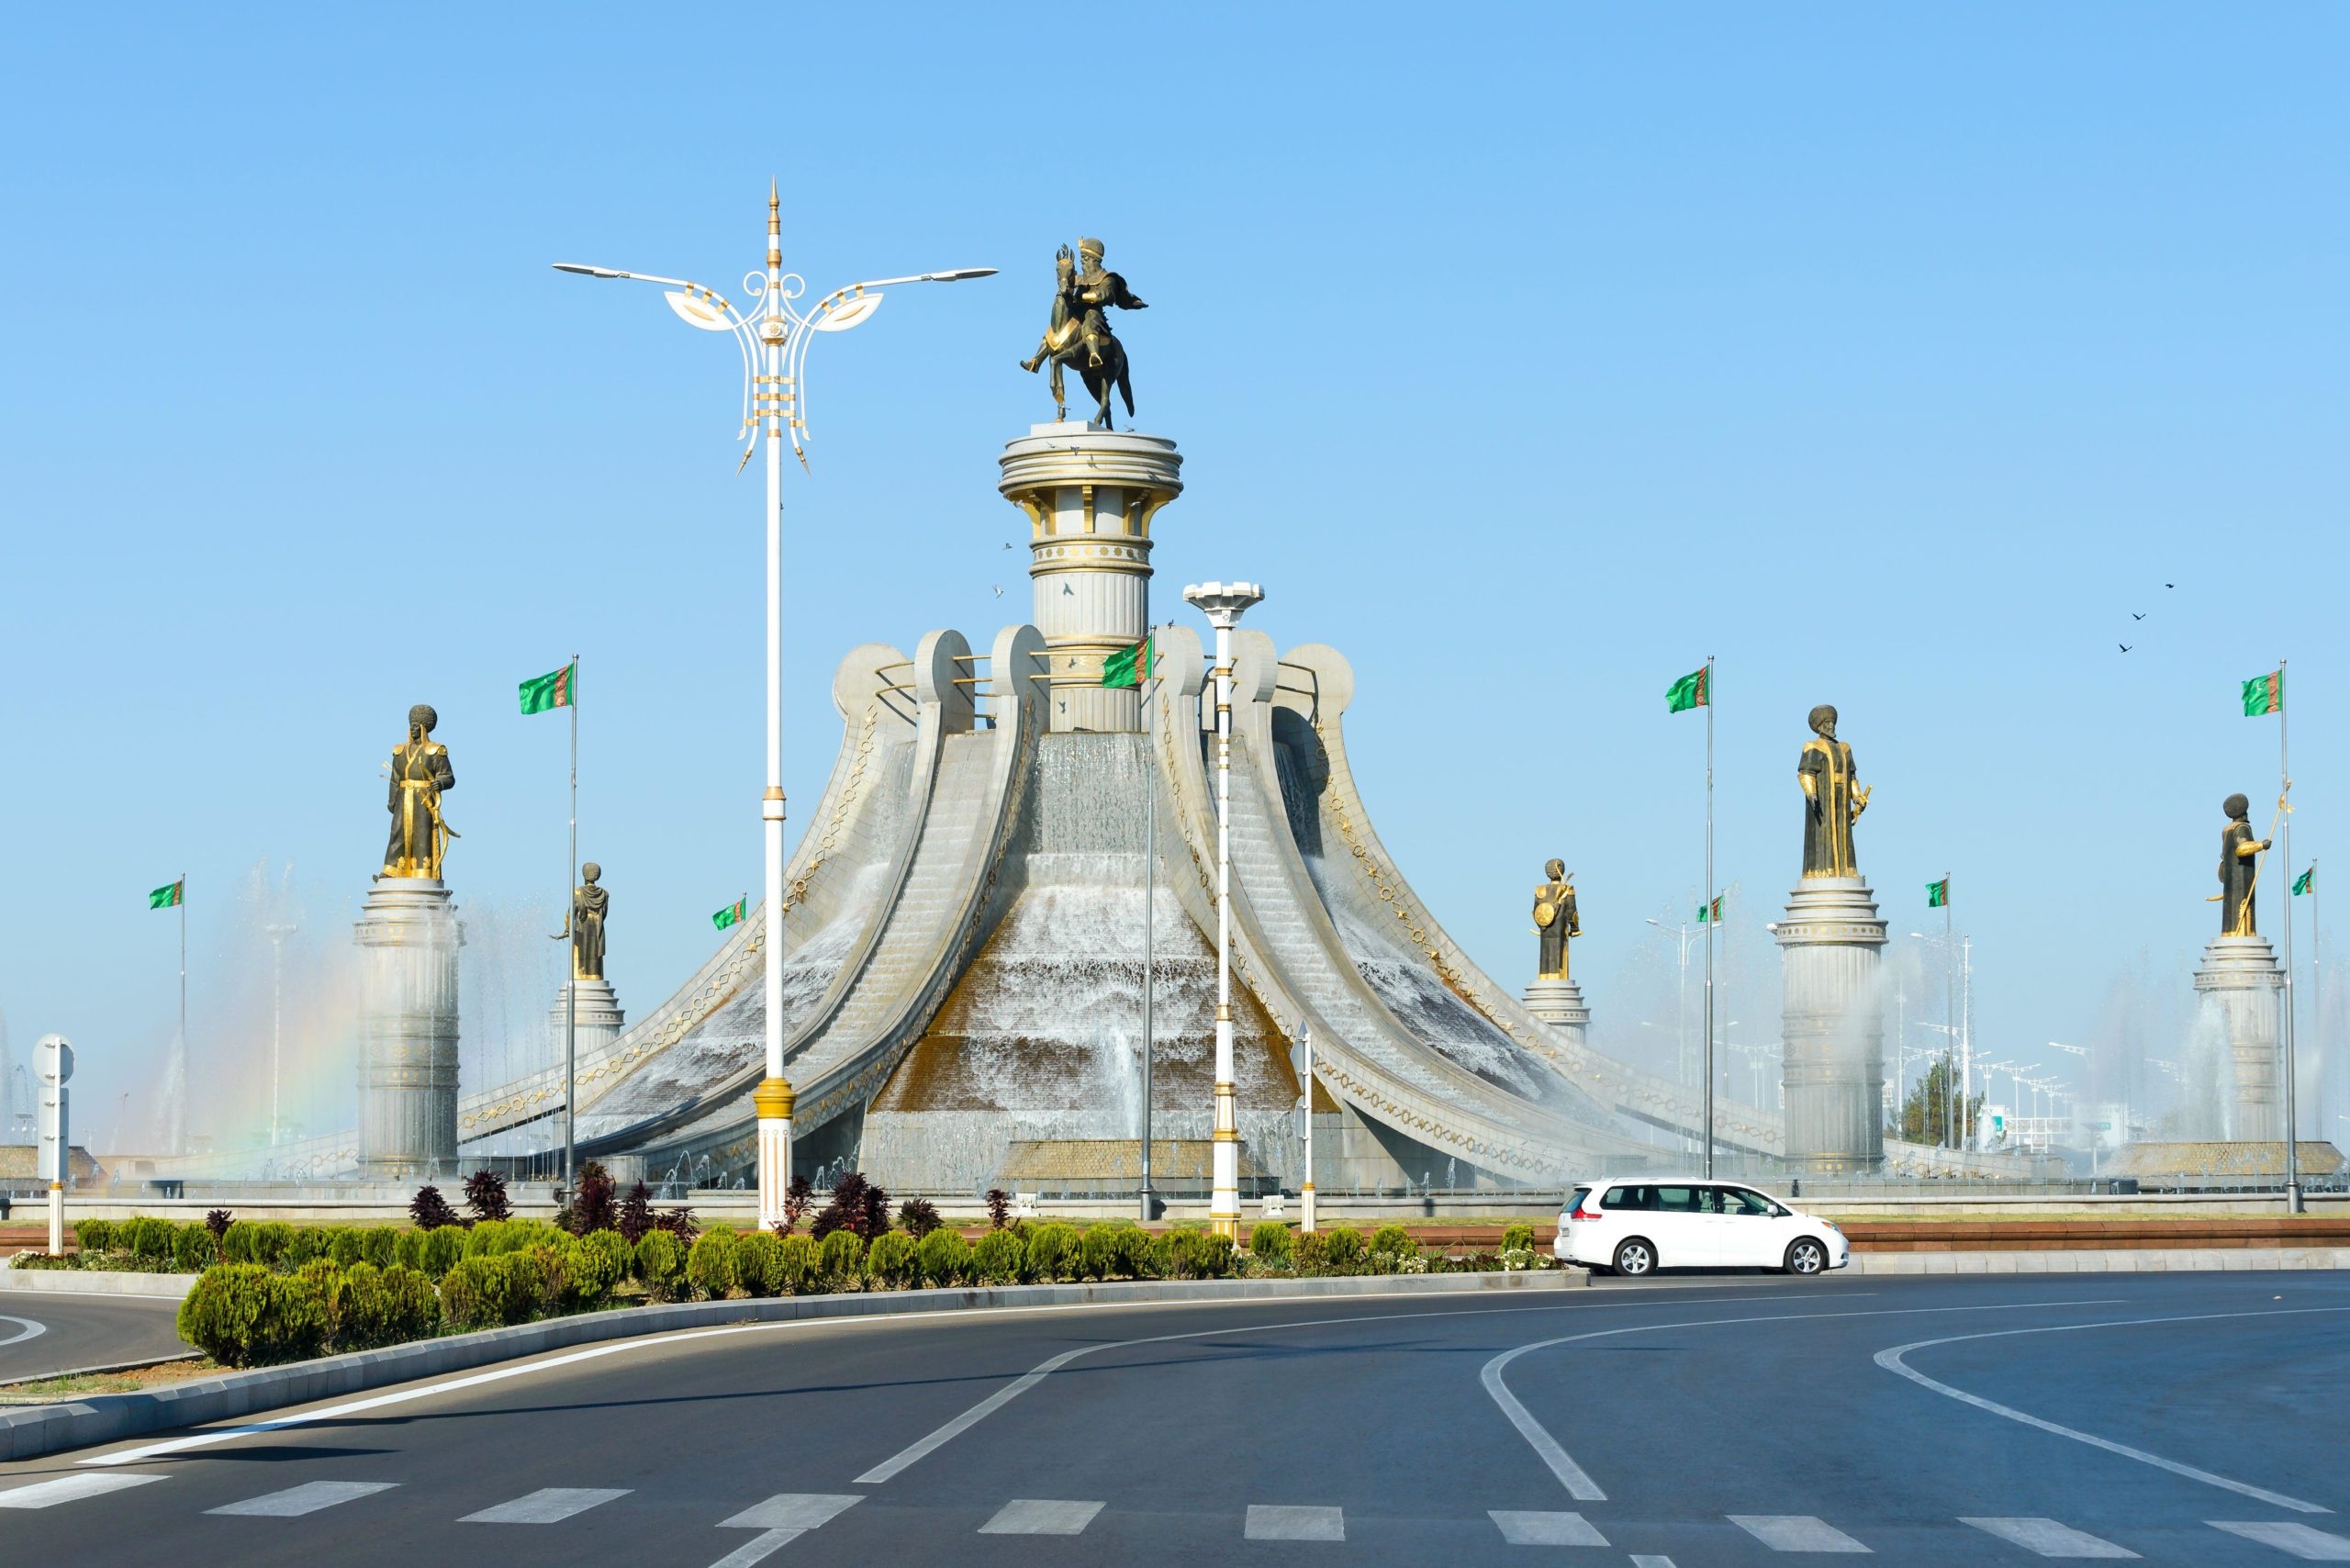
(2285, 841)
(1711, 920)
(1149, 902)
(774, 1096)
(1949, 1016)
(1306, 1194)
(2317, 1006)
(1967, 1043)
(570, 987)
(1224, 1209)
(182, 1086)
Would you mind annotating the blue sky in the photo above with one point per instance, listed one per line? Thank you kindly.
(1892, 355)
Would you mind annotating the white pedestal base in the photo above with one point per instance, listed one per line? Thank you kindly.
(2239, 982)
(408, 935)
(1559, 1004)
(1831, 947)
(775, 1169)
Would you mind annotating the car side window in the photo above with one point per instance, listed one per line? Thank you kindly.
(1620, 1198)
(1738, 1201)
(1677, 1200)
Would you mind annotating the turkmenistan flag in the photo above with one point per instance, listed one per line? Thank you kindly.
(168, 897)
(557, 689)
(2307, 882)
(1128, 666)
(1938, 894)
(733, 915)
(1710, 912)
(2264, 694)
(1691, 690)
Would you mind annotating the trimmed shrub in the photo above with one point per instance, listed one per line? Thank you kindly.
(840, 1260)
(272, 1237)
(241, 1314)
(411, 1309)
(797, 1262)
(1196, 1255)
(661, 1264)
(709, 1265)
(1052, 1253)
(494, 1237)
(1000, 1258)
(1517, 1239)
(600, 1262)
(94, 1235)
(473, 1294)
(892, 1262)
(357, 1306)
(537, 1281)
(758, 1263)
(408, 1250)
(343, 1244)
(429, 1210)
(1309, 1258)
(310, 1241)
(193, 1250)
(945, 1256)
(150, 1240)
(443, 1247)
(918, 1217)
(1393, 1242)
(236, 1244)
(379, 1245)
(1112, 1250)
(1342, 1249)
(1271, 1244)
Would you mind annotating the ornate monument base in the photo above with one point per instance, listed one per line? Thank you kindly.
(409, 936)
(1830, 948)
(1559, 1003)
(598, 1023)
(2239, 982)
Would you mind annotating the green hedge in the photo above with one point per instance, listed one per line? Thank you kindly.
(947, 1257)
(892, 1263)
(1001, 1258)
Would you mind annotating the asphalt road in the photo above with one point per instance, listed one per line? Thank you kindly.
(43, 1332)
(2185, 1418)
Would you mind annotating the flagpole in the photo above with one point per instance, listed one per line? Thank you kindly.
(1712, 918)
(2285, 840)
(571, 988)
(1149, 899)
(183, 1083)
(2317, 1001)
(1950, 1017)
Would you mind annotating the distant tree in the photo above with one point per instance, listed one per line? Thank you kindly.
(1934, 1112)
(485, 1195)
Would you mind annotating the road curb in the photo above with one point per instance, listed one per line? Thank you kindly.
(96, 1281)
(2101, 1260)
(106, 1419)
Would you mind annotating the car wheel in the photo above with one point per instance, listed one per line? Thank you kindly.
(1807, 1256)
(1635, 1257)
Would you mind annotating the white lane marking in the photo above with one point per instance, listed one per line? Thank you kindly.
(1795, 1533)
(1285, 1521)
(1038, 1516)
(1890, 1360)
(547, 1505)
(68, 1489)
(758, 1548)
(1579, 1485)
(2300, 1540)
(26, 1329)
(1641, 1562)
(969, 1316)
(307, 1498)
(2049, 1539)
(1523, 1529)
(995, 1401)
(794, 1511)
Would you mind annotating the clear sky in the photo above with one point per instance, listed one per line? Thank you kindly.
(1894, 356)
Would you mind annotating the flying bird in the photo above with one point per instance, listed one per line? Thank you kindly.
(999, 590)
(2135, 616)
(1007, 543)
(2124, 646)
(2170, 585)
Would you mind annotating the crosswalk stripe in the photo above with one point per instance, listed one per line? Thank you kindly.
(1521, 1529)
(2049, 1539)
(793, 1510)
(758, 1548)
(1641, 1562)
(1795, 1533)
(1282, 1521)
(2300, 1540)
(1039, 1516)
(547, 1505)
(307, 1498)
(69, 1489)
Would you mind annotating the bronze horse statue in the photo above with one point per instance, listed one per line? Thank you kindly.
(1101, 363)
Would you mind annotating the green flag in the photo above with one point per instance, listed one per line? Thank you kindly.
(1128, 666)
(1691, 690)
(733, 915)
(556, 689)
(168, 897)
(2308, 881)
(1938, 894)
(2264, 694)
(1712, 911)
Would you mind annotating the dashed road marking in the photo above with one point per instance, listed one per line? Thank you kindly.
(2049, 1539)
(2300, 1540)
(547, 1505)
(1795, 1533)
(307, 1498)
(794, 1510)
(1523, 1529)
(68, 1489)
(1039, 1516)
(1281, 1521)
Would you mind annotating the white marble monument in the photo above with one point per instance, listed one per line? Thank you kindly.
(2239, 982)
(408, 935)
(1831, 943)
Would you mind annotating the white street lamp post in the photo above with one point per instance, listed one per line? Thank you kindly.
(277, 935)
(774, 339)
(1223, 604)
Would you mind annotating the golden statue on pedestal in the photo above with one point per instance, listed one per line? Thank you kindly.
(584, 925)
(1555, 920)
(1832, 802)
(421, 774)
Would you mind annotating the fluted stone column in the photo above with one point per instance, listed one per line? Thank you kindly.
(1089, 496)
(408, 935)
(1559, 1004)
(598, 1021)
(2240, 981)
(1831, 950)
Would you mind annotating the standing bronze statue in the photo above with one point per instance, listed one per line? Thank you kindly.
(2239, 869)
(1555, 920)
(584, 925)
(1078, 334)
(1831, 802)
(420, 775)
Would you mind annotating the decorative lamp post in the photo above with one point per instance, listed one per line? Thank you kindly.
(774, 336)
(1223, 604)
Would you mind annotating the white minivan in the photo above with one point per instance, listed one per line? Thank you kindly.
(1646, 1223)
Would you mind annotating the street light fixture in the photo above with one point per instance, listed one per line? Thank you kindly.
(772, 336)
